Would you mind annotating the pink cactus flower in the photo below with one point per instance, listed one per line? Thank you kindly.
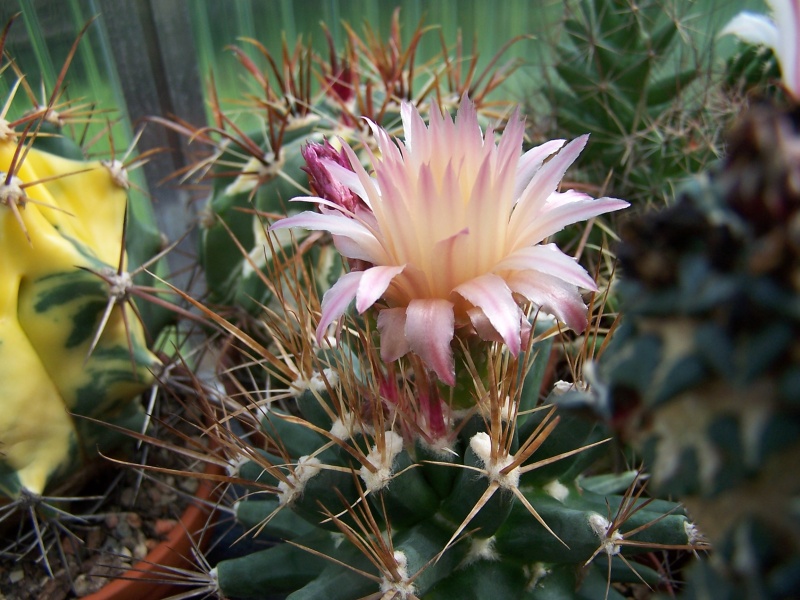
(454, 234)
(781, 33)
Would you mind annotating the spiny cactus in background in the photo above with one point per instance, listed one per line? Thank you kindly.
(252, 155)
(71, 341)
(650, 127)
(415, 461)
(707, 363)
(752, 71)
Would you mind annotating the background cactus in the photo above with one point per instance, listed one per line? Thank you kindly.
(710, 293)
(632, 77)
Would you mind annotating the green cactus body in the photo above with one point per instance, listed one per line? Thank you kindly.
(234, 247)
(389, 497)
(416, 508)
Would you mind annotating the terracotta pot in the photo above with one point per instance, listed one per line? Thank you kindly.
(142, 581)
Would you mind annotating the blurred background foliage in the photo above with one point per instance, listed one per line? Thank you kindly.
(149, 57)
(48, 28)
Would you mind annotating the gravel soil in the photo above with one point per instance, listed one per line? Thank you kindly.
(93, 539)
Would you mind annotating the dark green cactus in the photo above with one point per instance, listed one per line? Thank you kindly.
(707, 363)
(377, 479)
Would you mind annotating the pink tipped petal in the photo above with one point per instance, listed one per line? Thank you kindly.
(787, 17)
(373, 285)
(511, 141)
(388, 149)
(491, 294)
(544, 183)
(413, 127)
(557, 199)
(313, 200)
(754, 29)
(554, 296)
(488, 219)
(392, 327)
(351, 249)
(525, 332)
(367, 182)
(336, 300)
(550, 260)
(365, 245)
(336, 224)
(429, 331)
(448, 259)
(554, 220)
(483, 327)
(530, 162)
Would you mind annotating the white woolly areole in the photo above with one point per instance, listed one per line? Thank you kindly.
(315, 383)
(403, 588)
(11, 191)
(118, 172)
(346, 426)
(556, 489)
(306, 468)
(693, 534)
(119, 284)
(235, 464)
(481, 445)
(255, 171)
(342, 427)
(6, 131)
(561, 387)
(600, 525)
(441, 447)
(507, 410)
(535, 573)
(329, 341)
(481, 549)
(382, 460)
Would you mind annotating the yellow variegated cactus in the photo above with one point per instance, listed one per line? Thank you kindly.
(61, 224)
